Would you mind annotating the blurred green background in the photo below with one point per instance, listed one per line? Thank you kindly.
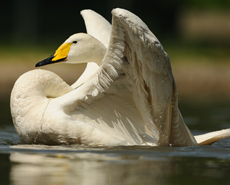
(195, 34)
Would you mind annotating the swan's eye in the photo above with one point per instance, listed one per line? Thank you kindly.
(74, 42)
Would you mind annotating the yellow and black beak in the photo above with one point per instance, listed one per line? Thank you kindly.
(60, 55)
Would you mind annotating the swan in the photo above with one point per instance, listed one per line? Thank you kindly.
(127, 94)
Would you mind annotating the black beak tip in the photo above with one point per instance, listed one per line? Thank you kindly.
(45, 61)
(38, 64)
(49, 61)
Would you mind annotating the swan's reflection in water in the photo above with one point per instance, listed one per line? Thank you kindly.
(87, 168)
(57, 165)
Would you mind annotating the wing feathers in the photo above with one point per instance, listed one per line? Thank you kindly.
(152, 74)
(97, 26)
(136, 96)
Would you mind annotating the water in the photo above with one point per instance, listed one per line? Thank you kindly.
(77, 164)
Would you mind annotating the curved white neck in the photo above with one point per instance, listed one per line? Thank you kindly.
(90, 70)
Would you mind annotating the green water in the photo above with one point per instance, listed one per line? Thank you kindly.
(77, 164)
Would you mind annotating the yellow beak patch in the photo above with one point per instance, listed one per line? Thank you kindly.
(62, 52)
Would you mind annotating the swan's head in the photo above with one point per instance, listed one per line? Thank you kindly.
(78, 48)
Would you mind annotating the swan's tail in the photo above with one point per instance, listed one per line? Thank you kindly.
(211, 137)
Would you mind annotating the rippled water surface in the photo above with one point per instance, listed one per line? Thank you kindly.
(77, 164)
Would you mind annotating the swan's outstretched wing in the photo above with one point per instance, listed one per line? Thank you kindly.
(133, 95)
(150, 67)
(97, 26)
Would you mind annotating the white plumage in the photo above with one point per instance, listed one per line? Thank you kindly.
(126, 96)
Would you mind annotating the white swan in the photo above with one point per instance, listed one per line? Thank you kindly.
(126, 96)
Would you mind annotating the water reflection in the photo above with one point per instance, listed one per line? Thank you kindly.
(87, 169)
(101, 167)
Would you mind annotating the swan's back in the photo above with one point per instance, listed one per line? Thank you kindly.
(29, 98)
(40, 114)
